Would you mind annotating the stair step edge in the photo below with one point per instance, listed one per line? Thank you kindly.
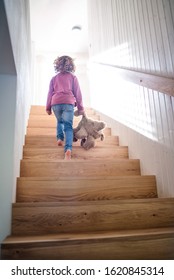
(60, 178)
(99, 202)
(89, 235)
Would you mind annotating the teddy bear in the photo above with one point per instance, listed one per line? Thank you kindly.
(88, 130)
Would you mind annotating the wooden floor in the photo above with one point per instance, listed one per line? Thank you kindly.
(96, 206)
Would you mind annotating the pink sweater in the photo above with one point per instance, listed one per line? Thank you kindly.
(64, 89)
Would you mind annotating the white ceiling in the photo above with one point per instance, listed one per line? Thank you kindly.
(52, 22)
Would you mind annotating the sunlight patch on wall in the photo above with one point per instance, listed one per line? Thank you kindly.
(119, 55)
(123, 101)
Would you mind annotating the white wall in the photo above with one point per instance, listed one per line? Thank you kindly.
(15, 96)
(155, 159)
(19, 27)
(136, 35)
(7, 124)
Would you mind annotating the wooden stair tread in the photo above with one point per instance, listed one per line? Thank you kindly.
(52, 131)
(78, 167)
(77, 153)
(97, 177)
(40, 110)
(161, 202)
(154, 244)
(81, 216)
(81, 162)
(90, 235)
(85, 188)
(90, 161)
(50, 141)
(44, 121)
(52, 117)
(115, 181)
(53, 138)
(78, 148)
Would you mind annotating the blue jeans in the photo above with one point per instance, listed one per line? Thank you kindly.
(64, 114)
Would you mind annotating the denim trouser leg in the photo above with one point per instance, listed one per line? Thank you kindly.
(64, 114)
(60, 129)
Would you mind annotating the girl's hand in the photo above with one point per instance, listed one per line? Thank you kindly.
(49, 112)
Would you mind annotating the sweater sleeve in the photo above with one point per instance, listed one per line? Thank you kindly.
(49, 97)
(78, 95)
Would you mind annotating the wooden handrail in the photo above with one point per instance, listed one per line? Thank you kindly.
(151, 81)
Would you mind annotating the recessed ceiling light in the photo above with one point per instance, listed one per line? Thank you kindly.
(76, 28)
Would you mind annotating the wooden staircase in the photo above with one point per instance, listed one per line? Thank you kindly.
(96, 206)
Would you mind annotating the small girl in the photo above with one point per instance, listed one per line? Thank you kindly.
(64, 92)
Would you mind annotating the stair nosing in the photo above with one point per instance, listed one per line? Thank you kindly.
(87, 236)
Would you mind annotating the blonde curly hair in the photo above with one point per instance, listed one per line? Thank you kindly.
(64, 64)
